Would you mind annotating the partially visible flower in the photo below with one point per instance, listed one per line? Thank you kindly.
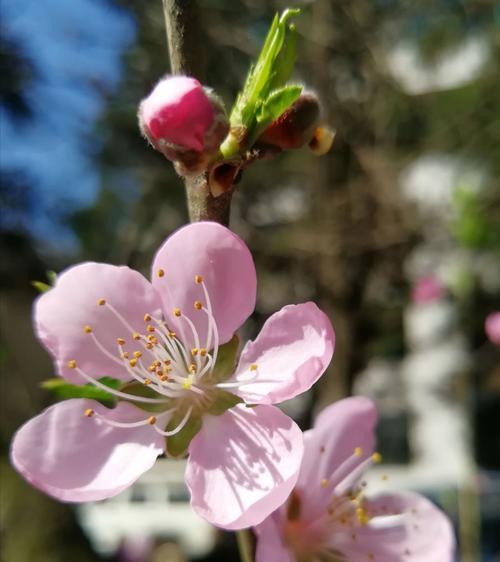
(184, 121)
(492, 327)
(427, 289)
(328, 518)
(183, 389)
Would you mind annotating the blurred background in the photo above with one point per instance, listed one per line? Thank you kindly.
(395, 233)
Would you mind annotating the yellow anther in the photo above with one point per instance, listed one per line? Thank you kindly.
(198, 305)
(157, 362)
(133, 362)
(177, 312)
(137, 354)
(188, 383)
(147, 318)
(87, 329)
(136, 336)
(164, 378)
(358, 451)
(192, 368)
(167, 362)
(160, 272)
(362, 515)
(125, 355)
(324, 483)
(194, 351)
(203, 351)
(150, 328)
(198, 279)
(89, 412)
(101, 302)
(377, 457)
(120, 341)
(253, 367)
(72, 364)
(149, 346)
(152, 420)
(147, 381)
(151, 368)
(172, 334)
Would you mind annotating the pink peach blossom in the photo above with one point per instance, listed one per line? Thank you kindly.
(492, 327)
(327, 516)
(164, 338)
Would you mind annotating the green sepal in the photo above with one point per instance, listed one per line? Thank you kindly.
(275, 105)
(139, 389)
(226, 360)
(223, 401)
(177, 444)
(64, 390)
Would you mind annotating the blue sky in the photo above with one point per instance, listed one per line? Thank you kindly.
(76, 46)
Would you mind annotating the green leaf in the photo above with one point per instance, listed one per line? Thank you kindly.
(275, 105)
(64, 390)
(223, 402)
(273, 68)
(40, 286)
(177, 444)
(226, 360)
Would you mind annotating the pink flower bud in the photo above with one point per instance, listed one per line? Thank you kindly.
(184, 121)
(492, 327)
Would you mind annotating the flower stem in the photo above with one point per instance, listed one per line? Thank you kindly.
(245, 545)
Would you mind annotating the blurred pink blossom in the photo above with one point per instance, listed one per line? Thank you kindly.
(163, 339)
(327, 516)
(492, 327)
(427, 289)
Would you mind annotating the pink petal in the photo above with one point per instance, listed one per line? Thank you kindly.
(61, 314)
(291, 352)
(225, 263)
(422, 533)
(243, 465)
(338, 430)
(269, 542)
(76, 458)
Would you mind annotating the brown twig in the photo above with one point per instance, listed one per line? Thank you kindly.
(185, 44)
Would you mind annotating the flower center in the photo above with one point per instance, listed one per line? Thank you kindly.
(342, 513)
(178, 376)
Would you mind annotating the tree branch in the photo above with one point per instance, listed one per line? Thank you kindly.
(185, 44)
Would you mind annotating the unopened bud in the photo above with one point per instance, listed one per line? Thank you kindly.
(296, 126)
(184, 121)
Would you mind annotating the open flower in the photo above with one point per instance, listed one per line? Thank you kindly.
(328, 519)
(171, 343)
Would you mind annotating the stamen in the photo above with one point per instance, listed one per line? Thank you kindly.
(184, 421)
(120, 341)
(177, 312)
(198, 279)
(115, 392)
(87, 329)
(160, 273)
(147, 318)
(101, 302)
(198, 305)
(89, 412)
